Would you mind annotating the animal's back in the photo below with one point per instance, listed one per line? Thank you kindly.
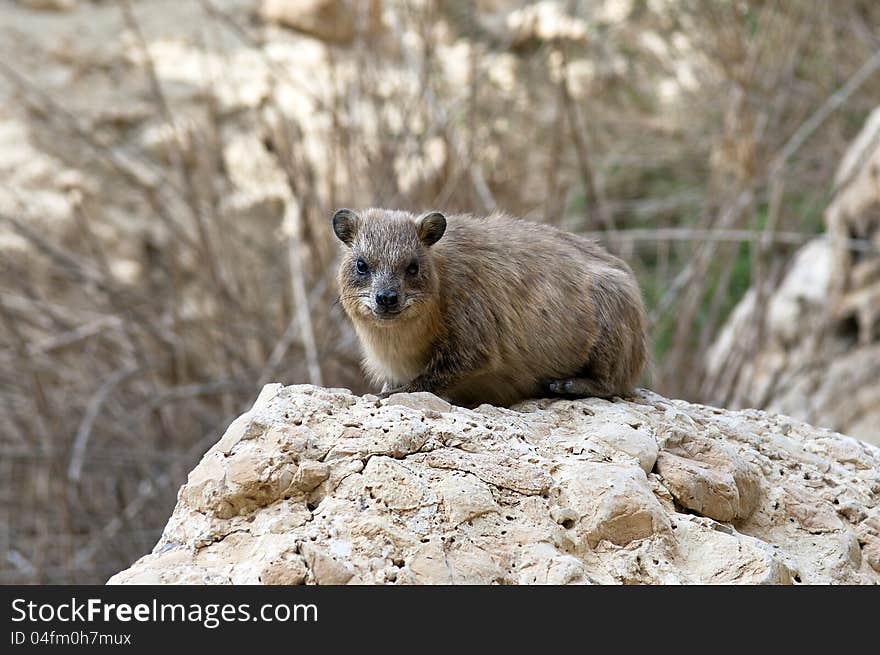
(544, 304)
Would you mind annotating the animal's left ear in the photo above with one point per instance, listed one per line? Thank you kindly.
(431, 227)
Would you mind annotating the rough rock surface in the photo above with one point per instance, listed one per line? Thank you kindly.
(317, 485)
(819, 359)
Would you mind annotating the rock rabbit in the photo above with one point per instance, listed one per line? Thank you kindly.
(488, 309)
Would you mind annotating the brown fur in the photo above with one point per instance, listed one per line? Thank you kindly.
(500, 310)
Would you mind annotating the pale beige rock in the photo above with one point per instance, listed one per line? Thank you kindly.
(500, 470)
(310, 474)
(632, 441)
(325, 569)
(705, 476)
(871, 552)
(718, 554)
(318, 486)
(606, 503)
(543, 564)
(393, 484)
(290, 570)
(868, 532)
(429, 565)
(819, 360)
(465, 497)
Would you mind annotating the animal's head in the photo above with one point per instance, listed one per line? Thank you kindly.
(387, 272)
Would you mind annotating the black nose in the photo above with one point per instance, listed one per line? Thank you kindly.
(386, 299)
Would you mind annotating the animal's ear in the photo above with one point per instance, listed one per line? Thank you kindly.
(344, 225)
(431, 227)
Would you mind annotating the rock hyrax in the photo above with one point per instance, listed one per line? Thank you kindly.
(488, 309)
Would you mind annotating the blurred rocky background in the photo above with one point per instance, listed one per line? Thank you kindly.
(167, 170)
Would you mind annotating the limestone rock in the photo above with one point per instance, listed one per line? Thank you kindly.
(465, 497)
(820, 357)
(597, 502)
(705, 476)
(318, 486)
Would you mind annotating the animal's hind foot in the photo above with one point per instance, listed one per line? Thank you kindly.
(579, 387)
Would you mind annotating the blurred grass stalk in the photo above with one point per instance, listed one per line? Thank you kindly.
(110, 389)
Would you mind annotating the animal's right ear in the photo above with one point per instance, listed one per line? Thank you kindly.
(344, 225)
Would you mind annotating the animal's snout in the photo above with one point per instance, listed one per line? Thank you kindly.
(387, 299)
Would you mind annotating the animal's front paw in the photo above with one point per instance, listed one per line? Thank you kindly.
(560, 387)
(386, 391)
(580, 388)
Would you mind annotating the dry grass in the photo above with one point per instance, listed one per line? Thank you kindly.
(111, 388)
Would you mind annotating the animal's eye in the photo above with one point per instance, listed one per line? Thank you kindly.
(362, 267)
(413, 268)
